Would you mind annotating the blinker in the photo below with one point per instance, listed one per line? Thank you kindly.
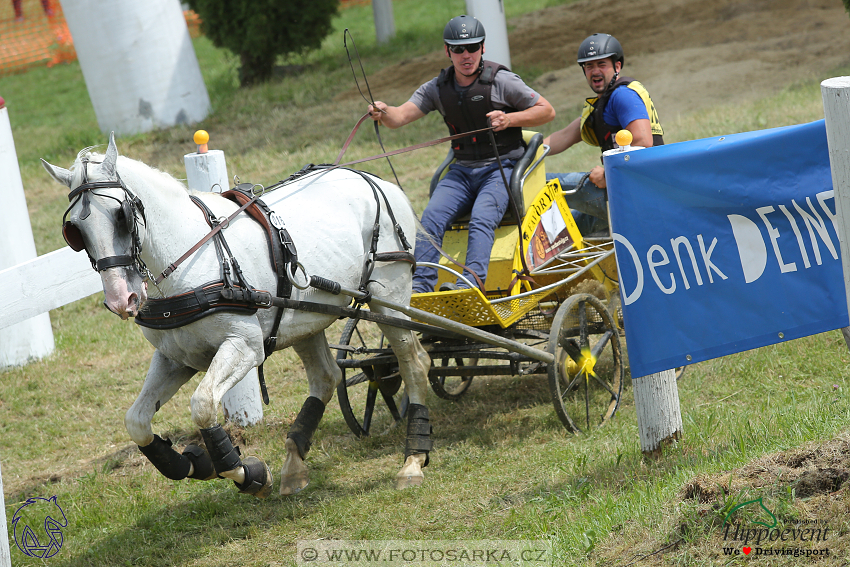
(73, 236)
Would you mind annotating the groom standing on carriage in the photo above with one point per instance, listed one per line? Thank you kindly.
(471, 94)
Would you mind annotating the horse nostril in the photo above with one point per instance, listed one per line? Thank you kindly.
(132, 302)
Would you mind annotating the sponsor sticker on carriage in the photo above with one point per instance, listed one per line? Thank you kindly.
(725, 244)
(424, 553)
(548, 228)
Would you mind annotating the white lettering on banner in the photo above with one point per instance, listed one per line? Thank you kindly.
(631, 298)
(753, 251)
(773, 233)
(751, 247)
(653, 264)
(676, 243)
(706, 258)
(657, 251)
(751, 244)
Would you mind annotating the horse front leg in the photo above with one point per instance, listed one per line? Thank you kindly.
(164, 379)
(231, 363)
(323, 375)
(414, 364)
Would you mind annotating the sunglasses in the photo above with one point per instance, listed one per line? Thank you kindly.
(472, 48)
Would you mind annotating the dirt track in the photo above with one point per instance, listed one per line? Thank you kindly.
(689, 53)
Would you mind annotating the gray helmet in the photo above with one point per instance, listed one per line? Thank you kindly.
(463, 30)
(600, 46)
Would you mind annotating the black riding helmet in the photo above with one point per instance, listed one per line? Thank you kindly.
(463, 30)
(600, 46)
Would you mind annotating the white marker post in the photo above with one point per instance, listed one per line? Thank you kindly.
(836, 111)
(138, 62)
(382, 11)
(659, 416)
(206, 170)
(33, 338)
(491, 13)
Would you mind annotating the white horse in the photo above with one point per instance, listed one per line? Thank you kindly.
(133, 218)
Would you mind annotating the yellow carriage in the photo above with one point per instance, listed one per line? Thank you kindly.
(560, 318)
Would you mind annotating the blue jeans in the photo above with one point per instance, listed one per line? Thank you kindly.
(588, 205)
(479, 192)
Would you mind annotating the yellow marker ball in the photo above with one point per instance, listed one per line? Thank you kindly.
(201, 137)
(623, 138)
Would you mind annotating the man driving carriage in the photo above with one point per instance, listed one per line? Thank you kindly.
(612, 109)
(471, 94)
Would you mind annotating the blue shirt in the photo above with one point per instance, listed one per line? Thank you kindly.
(624, 107)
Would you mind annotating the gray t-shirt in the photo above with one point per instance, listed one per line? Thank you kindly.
(509, 91)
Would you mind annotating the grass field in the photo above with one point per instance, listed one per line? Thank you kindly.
(771, 423)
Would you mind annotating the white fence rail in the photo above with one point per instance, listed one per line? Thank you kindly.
(44, 283)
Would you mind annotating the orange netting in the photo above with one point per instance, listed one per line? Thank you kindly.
(34, 32)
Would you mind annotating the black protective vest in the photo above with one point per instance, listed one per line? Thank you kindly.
(605, 132)
(467, 111)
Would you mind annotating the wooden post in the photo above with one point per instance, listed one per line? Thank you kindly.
(206, 170)
(31, 338)
(382, 11)
(836, 111)
(658, 414)
(491, 13)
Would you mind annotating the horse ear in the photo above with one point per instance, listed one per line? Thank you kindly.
(110, 161)
(60, 174)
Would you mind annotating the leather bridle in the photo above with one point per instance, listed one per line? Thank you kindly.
(131, 209)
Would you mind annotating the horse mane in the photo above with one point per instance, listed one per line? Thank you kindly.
(132, 170)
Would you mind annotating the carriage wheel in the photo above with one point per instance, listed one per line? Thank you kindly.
(370, 398)
(586, 378)
(451, 387)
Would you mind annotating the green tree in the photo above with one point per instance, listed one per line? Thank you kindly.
(260, 30)
(847, 5)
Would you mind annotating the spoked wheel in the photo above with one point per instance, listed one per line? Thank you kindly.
(586, 378)
(371, 397)
(447, 386)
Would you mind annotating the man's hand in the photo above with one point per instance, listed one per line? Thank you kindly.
(377, 111)
(499, 120)
(597, 177)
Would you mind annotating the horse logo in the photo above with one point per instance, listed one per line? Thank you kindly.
(35, 512)
(761, 505)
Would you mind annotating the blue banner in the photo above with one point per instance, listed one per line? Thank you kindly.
(725, 244)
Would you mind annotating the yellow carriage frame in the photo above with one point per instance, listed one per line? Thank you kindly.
(507, 298)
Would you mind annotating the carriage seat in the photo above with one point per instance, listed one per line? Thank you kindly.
(526, 181)
(527, 172)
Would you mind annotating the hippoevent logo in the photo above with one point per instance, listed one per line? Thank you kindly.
(38, 527)
(766, 537)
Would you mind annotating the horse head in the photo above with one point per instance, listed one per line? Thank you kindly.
(106, 219)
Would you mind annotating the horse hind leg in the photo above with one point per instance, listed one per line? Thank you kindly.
(163, 380)
(414, 363)
(323, 375)
(230, 364)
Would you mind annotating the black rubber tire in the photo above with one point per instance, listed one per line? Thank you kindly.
(451, 387)
(585, 397)
(358, 391)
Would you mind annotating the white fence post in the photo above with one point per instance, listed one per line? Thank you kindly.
(382, 11)
(836, 110)
(206, 169)
(30, 338)
(658, 414)
(491, 13)
(138, 62)
(5, 552)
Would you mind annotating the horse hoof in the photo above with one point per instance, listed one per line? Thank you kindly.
(258, 478)
(294, 474)
(293, 483)
(411, 473)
